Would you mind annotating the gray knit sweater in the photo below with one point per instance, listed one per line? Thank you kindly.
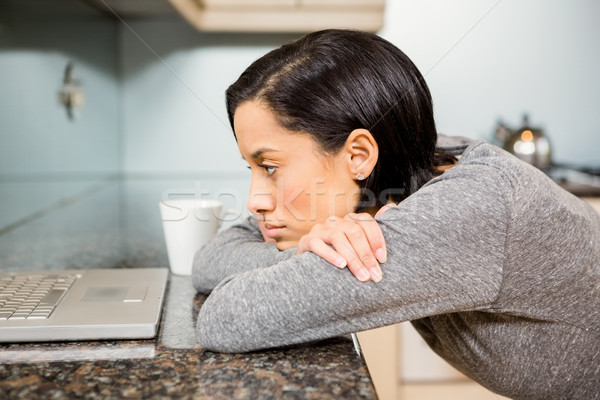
(495, 265)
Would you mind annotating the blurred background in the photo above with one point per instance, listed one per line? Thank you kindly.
(149, 87)
(101, 91)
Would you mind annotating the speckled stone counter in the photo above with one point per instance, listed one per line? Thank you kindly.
(117, 225)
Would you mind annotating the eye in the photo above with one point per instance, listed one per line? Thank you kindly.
(270, 169)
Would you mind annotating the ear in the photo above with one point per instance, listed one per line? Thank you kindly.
(362, 152)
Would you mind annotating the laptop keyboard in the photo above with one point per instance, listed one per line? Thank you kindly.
(32, 297)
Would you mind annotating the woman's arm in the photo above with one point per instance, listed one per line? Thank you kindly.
(237, 249)
(445, 254)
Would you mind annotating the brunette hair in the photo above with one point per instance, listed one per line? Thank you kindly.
(329, 83)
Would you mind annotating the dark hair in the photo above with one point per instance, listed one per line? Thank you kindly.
(329, 83)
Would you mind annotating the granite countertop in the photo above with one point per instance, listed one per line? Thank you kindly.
(118, 226)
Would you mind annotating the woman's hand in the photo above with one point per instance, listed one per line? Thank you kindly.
(355, 241)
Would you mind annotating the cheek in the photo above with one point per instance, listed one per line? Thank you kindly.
(313, 201)
(297, 202)
(343, 202)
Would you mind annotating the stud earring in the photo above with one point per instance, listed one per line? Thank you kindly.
(360, 176)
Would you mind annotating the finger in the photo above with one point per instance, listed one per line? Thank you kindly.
(323, 250)
(303, 243)
(376, 240)
(374, 235)
(351, 242)
(333, 235)
(360, 243)
(341, 244)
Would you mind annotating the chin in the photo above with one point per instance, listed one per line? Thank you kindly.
(286, 244)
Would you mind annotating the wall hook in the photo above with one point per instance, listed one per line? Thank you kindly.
(71, 94)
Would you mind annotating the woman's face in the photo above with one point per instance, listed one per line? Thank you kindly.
(294, 185)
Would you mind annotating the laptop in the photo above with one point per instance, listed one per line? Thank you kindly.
(92, 304)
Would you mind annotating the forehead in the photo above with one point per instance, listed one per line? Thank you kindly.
(257, 130)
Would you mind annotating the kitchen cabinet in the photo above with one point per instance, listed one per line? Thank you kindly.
(594, 201)
(380, 347)
(396, 355)
(135, 8)
(281, 15)
(261, 16)
(267, 16)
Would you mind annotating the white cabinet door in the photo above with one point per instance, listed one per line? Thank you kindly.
(418, 363)
(594, 201)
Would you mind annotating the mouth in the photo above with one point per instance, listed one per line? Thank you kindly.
(273, 231)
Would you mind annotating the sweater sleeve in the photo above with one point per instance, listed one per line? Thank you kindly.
(445, 254)
(237, 249)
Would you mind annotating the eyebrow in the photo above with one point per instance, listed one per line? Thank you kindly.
(260, 151)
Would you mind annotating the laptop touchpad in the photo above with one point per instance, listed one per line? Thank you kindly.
(133, 294)
(104, 294)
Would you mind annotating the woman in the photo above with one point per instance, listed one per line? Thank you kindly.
(496, 266)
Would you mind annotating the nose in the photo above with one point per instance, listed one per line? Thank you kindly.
(262, 197)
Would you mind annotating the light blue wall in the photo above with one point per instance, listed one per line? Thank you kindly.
(174, 85)
(155, 90)
(483, 60)
(174, 118)
(36, 135)
(490, 59)
(45, 158)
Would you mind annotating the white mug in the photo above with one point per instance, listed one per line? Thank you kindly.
(188, 224)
